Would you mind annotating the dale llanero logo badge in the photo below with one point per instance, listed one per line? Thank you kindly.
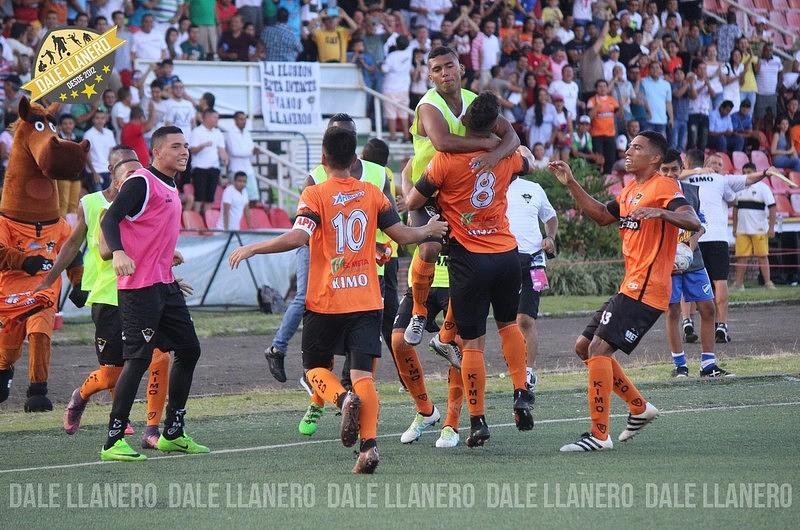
(73, 65)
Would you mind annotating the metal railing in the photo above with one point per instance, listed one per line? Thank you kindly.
(777, 49)
(283, 180)
(378, 101)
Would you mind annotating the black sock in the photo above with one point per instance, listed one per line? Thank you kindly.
(180, 377)
(124, 395)
(173, 423)
(367, 444)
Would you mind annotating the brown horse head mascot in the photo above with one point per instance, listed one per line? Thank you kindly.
(39, 158)
(31, 235)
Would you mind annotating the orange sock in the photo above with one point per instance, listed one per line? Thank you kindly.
(448, 331)
(410, 370)
(370, 407)
(515, 352)
(104, 378)
(455, 397)
(601, 380)
(317, 400)
(626, 390)
(421, 280)
(473, 374)
(157, 387)
(325, 384)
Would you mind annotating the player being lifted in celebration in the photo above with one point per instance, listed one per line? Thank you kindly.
(338, 219)
(100, 281)
(650, 210)
(483, 263)
(437, 126)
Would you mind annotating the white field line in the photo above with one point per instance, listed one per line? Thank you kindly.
(394, 435)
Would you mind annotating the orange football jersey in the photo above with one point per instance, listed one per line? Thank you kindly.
(648, 245)
(341, 217)
(474, 207)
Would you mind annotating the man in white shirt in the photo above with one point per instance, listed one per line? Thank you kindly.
(431, 12)
(147, 43)
(768, 72)
(716, 191)
(527, 205)
(180, 112)
(207, 146)
(611, 62)
(633, 12)
(101, 140)
(235, 204)
(564, 32)
(160, 106)
(489, 52)
(568, 88)
(240, 146)
(753, 226)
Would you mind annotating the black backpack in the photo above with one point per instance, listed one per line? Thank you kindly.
(270, 301)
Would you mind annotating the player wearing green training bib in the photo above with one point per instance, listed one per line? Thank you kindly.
(437, 127)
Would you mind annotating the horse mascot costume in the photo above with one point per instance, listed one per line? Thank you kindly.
(31, 235)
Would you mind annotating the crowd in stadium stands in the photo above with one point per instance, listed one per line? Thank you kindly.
(577, 78)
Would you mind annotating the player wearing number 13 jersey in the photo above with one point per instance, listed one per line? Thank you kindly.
(649, 211)
(338, 219)
(484, 268)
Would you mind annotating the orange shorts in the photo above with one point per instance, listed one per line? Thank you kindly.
(41, 322)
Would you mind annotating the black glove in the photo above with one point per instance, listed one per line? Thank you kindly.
(35, 264)
(78, 296)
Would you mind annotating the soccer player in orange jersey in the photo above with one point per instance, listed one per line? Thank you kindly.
(484, 267)
(650, 210)
(338, 219)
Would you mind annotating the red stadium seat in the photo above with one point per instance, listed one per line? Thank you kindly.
(212, 216)
(727, 165)
(188, 189)
(760, 160)
(779, 19)
(793, 17)
(192, 220)
(259, 218)
(784, 207)
(794, 4)
(739, 160)
(218, 198)
(279, 218)
(779, 186)
(782, 5)
(794, 176)
(763, 4)
(763, 141)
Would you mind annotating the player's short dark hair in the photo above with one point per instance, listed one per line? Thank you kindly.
(726, 103)
(658, 141)
(442, 50)
(239, 174)
(695, 157)
(161, 133)
(157, 83)
(239, 112)
(65, 117)
(283, 15)
(339, 146)
(376, 151)
(340, 116)
(482, 112)
(209, 112)
(673, 155)
(121, 147)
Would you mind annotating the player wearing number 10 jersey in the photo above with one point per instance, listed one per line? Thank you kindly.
(338, 219)
(484, 267)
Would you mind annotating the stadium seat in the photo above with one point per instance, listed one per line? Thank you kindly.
(793, 17)
(763, 141)
(218, 198)
(727, 165)
(763, 4)
(779, 19)
(192, 220)
(794, 176)
(212, 216)
(782, 5)
(739, 160)
(794, 200)
(794, 4)
(188, 189)
(279, 218)
(760, 160)
(259, 218)
(778, 186)
(784, 206)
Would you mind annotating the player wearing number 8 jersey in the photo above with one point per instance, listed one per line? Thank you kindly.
(650, 210)
(339, 219)
(484, 268)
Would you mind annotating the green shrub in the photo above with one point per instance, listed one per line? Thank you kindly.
(578, 236)
(575, 277)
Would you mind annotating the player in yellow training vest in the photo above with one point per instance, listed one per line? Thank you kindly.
(437, 127)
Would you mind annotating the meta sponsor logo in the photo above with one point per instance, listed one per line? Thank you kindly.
(631, 335)
(339, 264)
(626, 223)
(349, 282)
(343, 198)
(482, 231)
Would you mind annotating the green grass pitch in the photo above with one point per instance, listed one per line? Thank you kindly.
(714, 436)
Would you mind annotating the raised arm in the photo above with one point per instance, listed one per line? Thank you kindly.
(446, 142)
(595, 209)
